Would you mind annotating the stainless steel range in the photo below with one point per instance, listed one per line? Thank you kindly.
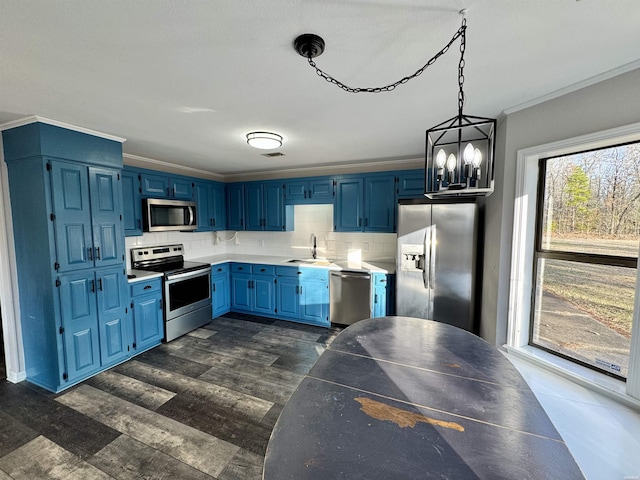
(187, 287)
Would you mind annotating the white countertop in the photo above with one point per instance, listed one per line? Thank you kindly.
(142, 275)
(371, 266)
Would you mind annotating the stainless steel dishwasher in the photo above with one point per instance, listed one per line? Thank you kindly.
(349, 297)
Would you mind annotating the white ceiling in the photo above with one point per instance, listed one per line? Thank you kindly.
(184, 80)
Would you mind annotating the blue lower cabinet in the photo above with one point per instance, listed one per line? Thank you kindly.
(113, 316)
(253, 288)
(302, 294)
(220, 290)
(79, 329)
(381, 297)
(241, 299)
(146, 307)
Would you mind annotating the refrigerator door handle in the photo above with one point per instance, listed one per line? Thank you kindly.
(432, 257)
(424, 259)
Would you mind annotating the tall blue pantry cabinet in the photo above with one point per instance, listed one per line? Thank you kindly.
(66, 203)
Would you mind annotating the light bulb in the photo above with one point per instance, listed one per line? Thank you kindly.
(477, 158)
(451, 162)
(467, 155)
(441, 158)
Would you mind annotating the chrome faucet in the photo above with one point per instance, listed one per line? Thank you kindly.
(314, 247)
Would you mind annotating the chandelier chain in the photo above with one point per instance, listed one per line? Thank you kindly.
(387, 88)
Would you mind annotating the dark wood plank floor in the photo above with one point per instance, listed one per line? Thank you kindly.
(200, 407)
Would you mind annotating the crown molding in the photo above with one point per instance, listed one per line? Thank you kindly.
(145, 162)
(36, 118)
(628, 67)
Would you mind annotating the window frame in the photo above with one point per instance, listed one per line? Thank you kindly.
(521, 291)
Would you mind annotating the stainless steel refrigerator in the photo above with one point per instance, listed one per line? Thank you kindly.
(436, 261)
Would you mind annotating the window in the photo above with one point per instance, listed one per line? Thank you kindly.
(576, 234)
(586, 253)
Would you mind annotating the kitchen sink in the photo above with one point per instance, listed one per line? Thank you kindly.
(309, 261)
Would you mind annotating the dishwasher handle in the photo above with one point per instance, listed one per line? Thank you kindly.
(362, 276)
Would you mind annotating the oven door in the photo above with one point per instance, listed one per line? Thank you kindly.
(186, 292)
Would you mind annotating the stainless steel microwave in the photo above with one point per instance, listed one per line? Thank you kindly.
(164, 215)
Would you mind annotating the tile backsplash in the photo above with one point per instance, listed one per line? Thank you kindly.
(308, 219)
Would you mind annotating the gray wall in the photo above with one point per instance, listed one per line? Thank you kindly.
(609, 104)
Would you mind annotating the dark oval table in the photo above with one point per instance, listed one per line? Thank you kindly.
(407, 398)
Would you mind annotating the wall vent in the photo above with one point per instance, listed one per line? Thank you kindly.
(273, 154)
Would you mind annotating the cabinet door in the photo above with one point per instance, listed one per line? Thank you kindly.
(380, 204)
(220, 295)
(379, 301)
(148, 323)
(263, 293)
(80, 324)
(314, 300)
(106, 216)
(411, 184)
(253, 207)
(321, 191)
(241, 298)
(131, 204)
(218, 207)
(287, 297)
(180, 188)
(115, 341)
(235, 206)
(72, 210)
(273, 207)
(202, 197)
(348, 208)
(155, 185)
(296, 191)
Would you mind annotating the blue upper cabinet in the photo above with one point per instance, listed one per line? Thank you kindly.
(163, 185)
(316, 190)
(410, 184)
(210, 206)
(131, 203)
(106, 215)
(253, 206)
(273, 207)
(235, 206)
(365, 204)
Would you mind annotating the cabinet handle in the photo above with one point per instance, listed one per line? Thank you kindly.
(97, 253)
(366, 222)
(213, 287)
(262, 270)
(90, 253)
(93, 286)
(375, 298)
(305, 194)
(360, 222)
(214, 222)
(211, 222)
(300, 289)
(147, 287)
(219, 269)
(100, 284)
(297, 289)
(139, 223)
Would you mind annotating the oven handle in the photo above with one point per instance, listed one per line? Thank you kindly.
(184, 276)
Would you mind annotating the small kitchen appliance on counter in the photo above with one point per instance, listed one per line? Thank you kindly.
(187, 287)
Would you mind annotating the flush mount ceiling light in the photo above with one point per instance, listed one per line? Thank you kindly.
(463, 145)
(264, 140)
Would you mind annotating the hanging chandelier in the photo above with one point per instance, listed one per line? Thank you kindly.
(460, 152)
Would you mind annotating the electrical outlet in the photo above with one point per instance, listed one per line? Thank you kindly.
(365, 247)
(261, 243)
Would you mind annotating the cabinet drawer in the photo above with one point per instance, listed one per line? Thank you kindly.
(241, 267)
(143, 288)
(219, 269)
(287, 271)
(263, 269)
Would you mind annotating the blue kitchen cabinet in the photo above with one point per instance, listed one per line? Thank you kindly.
(302, 294)
(146, 308)
(220, 290)
(210, 206)
(365, 204)
(253, 288)
(315, 190)
(235, 206)
(162, 185)
(79, 327)
(410, 184)
(113, 315)
(131, 203)
(66, 201)
(348, 208)
(87, 215)
(379, 296)
(264, 206)
(314, 296)
(379, 203)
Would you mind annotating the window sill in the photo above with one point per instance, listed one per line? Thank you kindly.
(603, 384)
